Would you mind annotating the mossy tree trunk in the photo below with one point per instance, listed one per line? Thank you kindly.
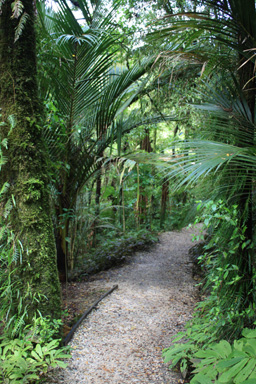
(26, 169)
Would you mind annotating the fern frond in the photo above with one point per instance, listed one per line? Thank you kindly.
(3, 160)
(4, 188)
(2, 232)
(16, 254)
(19, 324)
(18, 251)
(12, 122)
(4, 143)
(11, 319)
(17, 9)
(20, 26)
(7, 208)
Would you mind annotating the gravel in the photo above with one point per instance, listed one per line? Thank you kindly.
(121, 342)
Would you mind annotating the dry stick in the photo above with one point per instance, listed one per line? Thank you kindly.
(86, 313)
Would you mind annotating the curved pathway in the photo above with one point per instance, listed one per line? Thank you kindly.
(122, 341)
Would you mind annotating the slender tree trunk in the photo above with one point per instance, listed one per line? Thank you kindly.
(26, 169)
(97, 203)
(246, 205)
(123, 207)
(164, 201)
(145, 144)
(247, 84)
(120, 202)
(154, 140)
(62, 210)
(138, 197)
(98, 193)
(143, 199)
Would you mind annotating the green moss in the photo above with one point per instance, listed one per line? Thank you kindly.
(33, 189)
(26, 170)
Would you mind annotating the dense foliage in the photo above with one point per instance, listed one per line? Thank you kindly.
(223, 154)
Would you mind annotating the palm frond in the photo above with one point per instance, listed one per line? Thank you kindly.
(202, 36)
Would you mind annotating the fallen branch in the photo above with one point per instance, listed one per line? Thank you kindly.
(85, 314)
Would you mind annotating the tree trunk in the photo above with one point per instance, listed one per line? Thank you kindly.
(143, 199)
(98, 193)
(164, 201)
(97, 204)
(26, 170)
(247, 84)
(145, 143)
(246, 206)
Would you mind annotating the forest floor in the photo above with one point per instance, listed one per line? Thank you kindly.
(121, 342)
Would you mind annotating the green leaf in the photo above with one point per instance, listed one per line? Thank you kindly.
(227, 363)
(200, 379)
(238, 345)
(223, 348)
(250, 347)
(36, 356)
(39, 350)
(33, 376)
(109, 191)
(52, 345)
(22, 363)
(16, 376)
(61, 364)
(249, 333)
(245, 372)
(232, 372)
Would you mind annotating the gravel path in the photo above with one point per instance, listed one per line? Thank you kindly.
(122, 341)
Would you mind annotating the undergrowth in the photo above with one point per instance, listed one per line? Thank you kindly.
(217, 343)
(114, 250)
(27, 358)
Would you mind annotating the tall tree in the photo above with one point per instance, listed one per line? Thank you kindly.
(26, 170)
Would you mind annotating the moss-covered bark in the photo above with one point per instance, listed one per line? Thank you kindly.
(26, 170)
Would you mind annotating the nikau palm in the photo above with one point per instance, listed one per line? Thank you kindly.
(223, 39)
(92, 94)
